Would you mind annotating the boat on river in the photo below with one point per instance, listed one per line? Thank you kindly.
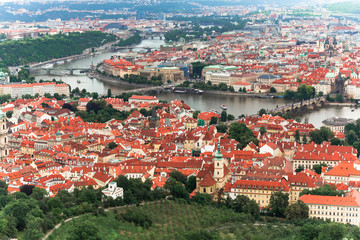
(265, 96)
(187, 90)
(223, 106)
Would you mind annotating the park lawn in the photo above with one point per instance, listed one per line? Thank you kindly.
(173, 220)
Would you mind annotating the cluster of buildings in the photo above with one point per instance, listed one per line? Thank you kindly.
(39, 89)
(319, 52)
(120, 67)
(46, 145)
(49, 147)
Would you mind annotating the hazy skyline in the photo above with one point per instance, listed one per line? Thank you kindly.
(44, 1)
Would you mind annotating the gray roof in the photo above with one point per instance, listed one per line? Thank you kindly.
(268, 76)
(336, 121)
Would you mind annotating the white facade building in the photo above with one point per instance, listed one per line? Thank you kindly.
(113, 191)
(333, 208)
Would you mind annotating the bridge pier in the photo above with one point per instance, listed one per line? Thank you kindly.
(71, 72)
(161, 37)
(48, 71)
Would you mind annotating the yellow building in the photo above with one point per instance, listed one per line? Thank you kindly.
(172, 74)
(260, 191)
(299, 182)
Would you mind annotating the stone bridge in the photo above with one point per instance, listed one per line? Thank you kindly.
(147, 89)
(118, 48)
(314, 103)
(153, 35)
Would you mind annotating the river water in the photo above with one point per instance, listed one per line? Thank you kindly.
(91, 85)
(237, 105)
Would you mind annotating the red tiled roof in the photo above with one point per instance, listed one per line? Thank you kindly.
(207, 181)
(329, 200)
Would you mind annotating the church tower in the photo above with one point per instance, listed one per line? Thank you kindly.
(218, 164)
(4, 151)
(339, 84)
(58, 136)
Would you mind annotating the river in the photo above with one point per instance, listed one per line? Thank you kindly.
(91, 85)
(237, 105)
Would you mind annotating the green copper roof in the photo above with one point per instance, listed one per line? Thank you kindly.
(213, 66)
(218, 153)
(230, 68)
(330, 75)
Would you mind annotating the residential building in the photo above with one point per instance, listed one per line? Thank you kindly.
(260, 191)
(337, 124)
(334, 208)
(167, 74)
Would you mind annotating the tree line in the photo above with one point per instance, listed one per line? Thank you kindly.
(219, 25)
(210, 86)
(32, 213)
(134, 39)
(99, 111)
(278, 210)
(30, 50)
(303, 92)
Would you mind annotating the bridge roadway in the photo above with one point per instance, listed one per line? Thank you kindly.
(148, 49)
(314, 103)
(147, 89)
(70, 70)
(53, 61)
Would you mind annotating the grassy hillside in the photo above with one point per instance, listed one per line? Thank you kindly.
(183, 221)
(47, 47)
(345, 7)
(172, 220)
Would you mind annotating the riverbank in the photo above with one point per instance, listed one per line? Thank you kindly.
(86, 53)
(345, 104)
(116, 81)
(227, 93)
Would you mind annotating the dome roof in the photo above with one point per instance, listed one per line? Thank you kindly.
(218, 153)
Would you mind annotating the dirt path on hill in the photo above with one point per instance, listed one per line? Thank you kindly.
(105, 209)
